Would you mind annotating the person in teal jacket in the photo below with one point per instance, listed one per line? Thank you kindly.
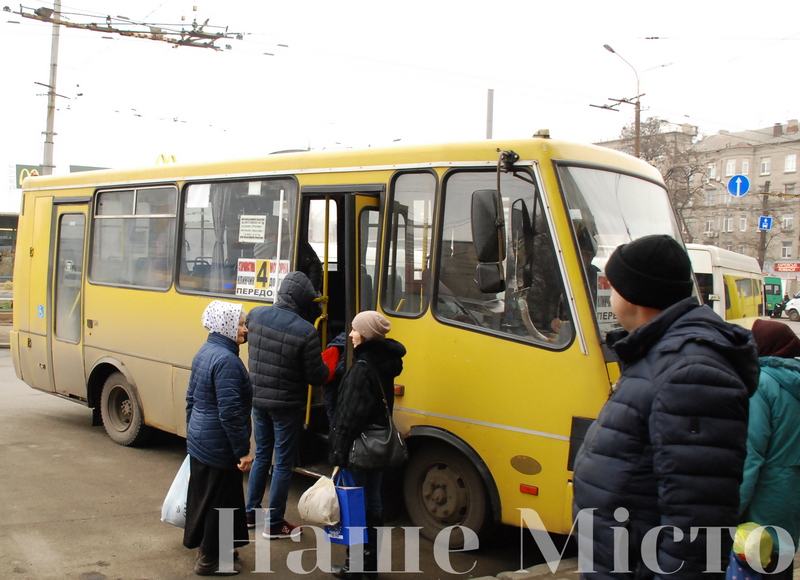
(769, 491)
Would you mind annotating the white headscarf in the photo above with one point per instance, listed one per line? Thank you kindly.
(223, 317)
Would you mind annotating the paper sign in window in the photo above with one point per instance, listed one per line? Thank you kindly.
(252, 229)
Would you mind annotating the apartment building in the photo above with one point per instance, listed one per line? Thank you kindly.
(767, 158)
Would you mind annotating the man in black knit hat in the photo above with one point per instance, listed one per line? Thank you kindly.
(660, 468)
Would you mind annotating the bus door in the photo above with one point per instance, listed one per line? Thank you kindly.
(349, 252)
(66, 284)
(341, 226)
(362, 247)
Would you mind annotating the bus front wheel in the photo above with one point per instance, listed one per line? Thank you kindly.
(442, 488)
(121, 412)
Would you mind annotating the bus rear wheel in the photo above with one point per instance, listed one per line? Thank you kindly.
(122, 413)
(442, 488)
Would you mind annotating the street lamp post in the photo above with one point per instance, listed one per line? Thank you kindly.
(637, 127)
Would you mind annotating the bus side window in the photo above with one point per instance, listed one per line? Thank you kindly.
(226, 222)
(134, 237)
(532, 305)
(406, 286)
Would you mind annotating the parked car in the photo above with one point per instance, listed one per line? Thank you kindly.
(792, 309)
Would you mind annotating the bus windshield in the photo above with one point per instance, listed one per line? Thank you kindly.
(608, 209)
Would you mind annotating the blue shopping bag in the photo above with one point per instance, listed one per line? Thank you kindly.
(739, 570)
(352, 526)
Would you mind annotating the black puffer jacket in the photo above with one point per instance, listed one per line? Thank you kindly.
(284, 352)
(360, 402)
(669, 445)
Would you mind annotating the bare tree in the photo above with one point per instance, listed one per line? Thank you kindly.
(652, 144)
(684, 176)
(668, 151)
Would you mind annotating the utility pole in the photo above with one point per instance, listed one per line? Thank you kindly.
(635, 101)
(637, 122)
(637, 104)
(49, 135)
(762, 242)
(489, 113)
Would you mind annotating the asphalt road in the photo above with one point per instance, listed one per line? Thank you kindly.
(74, 505)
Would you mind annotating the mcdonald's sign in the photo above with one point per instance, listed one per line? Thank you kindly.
(24, 171)
(166, 159)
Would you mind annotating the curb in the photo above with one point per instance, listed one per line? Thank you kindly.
(565, 570)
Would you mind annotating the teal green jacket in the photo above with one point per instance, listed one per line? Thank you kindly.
(769, 491)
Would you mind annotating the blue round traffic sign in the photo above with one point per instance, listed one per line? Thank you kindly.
(738, 185)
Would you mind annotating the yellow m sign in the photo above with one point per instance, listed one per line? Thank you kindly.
(24, 171)
(166, 159)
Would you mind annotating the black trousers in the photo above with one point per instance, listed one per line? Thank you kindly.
(211, 488)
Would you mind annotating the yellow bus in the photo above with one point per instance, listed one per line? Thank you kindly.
(730, 283)
(486, 257)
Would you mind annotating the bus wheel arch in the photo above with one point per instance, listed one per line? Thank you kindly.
(115, 394)
(447, 483)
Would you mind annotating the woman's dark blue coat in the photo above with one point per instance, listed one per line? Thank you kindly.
(669, 446)
(218, 404)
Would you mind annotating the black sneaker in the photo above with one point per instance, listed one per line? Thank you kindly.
(251, 520)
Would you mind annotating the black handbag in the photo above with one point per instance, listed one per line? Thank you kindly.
(378, 447)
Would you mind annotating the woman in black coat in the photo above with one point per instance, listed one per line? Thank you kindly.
(369, 382)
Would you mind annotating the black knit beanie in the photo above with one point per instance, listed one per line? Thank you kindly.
(653, 271)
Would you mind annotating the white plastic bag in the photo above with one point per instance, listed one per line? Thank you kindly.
(174, 509)
(319, 504)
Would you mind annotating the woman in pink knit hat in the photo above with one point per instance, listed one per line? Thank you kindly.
(377, 360)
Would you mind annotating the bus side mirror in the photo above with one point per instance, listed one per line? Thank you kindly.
(488, 226)
(490, 277)
(488, 238)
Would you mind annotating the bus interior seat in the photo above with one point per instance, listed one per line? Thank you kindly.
(201, 270)
(366, 292)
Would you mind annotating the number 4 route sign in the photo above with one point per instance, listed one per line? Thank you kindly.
(765, 223)
(738, 185)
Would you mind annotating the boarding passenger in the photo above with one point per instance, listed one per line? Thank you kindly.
(284, 358)
(364, 393)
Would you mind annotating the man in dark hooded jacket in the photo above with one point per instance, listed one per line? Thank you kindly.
(284, 358)
(659, 470)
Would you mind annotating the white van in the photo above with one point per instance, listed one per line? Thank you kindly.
(729, 282)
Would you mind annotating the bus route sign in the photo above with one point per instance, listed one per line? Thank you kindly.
(260, 278)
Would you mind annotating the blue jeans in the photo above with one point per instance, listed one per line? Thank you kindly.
(275, 430)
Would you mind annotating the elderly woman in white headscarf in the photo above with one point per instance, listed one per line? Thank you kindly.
(218, 407)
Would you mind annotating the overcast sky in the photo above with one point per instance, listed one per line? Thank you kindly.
(374, 73)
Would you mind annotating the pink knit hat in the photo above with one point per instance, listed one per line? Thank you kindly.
(371, 325)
